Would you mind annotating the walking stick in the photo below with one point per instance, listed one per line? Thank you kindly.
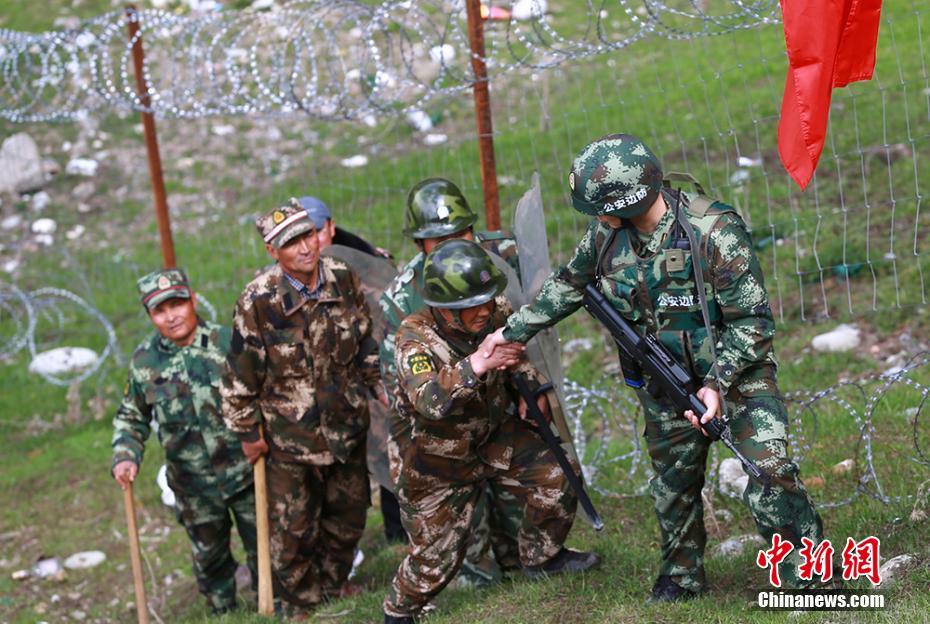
(135, 554)
(265, 591)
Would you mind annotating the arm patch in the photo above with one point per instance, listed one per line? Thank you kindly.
(420, 363)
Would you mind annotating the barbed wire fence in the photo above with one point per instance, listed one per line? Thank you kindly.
(375, 94)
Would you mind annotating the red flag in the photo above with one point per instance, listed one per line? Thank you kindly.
(830, 43)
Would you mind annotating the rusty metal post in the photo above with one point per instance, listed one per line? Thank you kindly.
(151, 141)
(492, 209)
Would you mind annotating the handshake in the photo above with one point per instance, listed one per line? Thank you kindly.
(495, 352)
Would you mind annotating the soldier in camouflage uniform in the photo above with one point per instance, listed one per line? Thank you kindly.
(437, 210)
(174, 378)
(467, 434)
(300, 371)
(637, 251)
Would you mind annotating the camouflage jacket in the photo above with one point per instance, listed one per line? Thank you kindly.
(653, 287)
(180, 388)
(303, 369)
(404, 295)
(455, 416)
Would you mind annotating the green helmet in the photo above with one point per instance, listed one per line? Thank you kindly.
(436, 208)
(459, 274)
(617, 175)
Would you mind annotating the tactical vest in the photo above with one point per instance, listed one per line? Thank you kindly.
(657, 291)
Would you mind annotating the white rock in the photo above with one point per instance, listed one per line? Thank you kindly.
(731, 547)
(46, 240)
(66, 146)
(893, 569)
(78, 615)
(223, 130)
(11, 222)
(843, 338)
(353, 75)
(435, 138)
(86, 559)
(385, 80)
(44, 226)
(528, 9)
(442, 53)
(40, 201)
(370, 120)
(262, 4)
(82, 166)
(75, 233)
(84, 190)
(733, 480)
(10, 266)
(844, 466)
(724, 515)
(359, 160)
(85, 39)
(167, 494)
(49, 566)
(20, 164)
(63, 360)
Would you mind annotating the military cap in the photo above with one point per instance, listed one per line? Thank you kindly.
(162, 285)
(284, 223)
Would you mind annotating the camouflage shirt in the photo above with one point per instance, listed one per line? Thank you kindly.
(404, 295)
(180, 388)
(653, 287)
(304, 368)
(454, 414)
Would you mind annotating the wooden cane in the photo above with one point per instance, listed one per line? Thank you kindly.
(265, 590)
(135, 554)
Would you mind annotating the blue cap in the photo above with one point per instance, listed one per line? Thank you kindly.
(316, 210)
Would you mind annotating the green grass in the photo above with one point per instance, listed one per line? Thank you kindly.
(699, 104)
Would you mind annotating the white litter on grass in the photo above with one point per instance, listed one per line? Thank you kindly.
(359, 160)
(745, 161)
(86, 559)
(75, 233)
(44, 226)
(222, 130)
(733, 480)
(49, 566)
(843, 338)
(11, 222)
(167, 494)
(45, 239)
(442, 53)
(40, 201)
(82, 166)
(419, 120)
(357, 562)
(63, 360)
(435, 139)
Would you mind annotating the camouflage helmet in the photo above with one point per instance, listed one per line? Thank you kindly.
(459, 274)
(436, 208)
(617, 175)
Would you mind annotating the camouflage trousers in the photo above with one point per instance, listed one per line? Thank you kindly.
(208, 524)
(759, 425)
(316, 517)
(438, 509)
(492, 546)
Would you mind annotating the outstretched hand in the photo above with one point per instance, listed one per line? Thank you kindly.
(711, 399)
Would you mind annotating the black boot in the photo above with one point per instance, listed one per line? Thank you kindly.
(398, 619)
(566, 560)
(667, 590)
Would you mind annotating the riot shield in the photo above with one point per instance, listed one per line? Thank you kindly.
(375, 274)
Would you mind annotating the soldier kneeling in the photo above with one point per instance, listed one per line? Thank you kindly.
(468, 431)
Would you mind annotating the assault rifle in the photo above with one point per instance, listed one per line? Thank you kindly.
(554, 443)
(668, 378)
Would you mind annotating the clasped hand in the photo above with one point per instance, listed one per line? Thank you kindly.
(496, 353)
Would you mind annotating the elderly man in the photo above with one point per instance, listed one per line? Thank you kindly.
(301, 368)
